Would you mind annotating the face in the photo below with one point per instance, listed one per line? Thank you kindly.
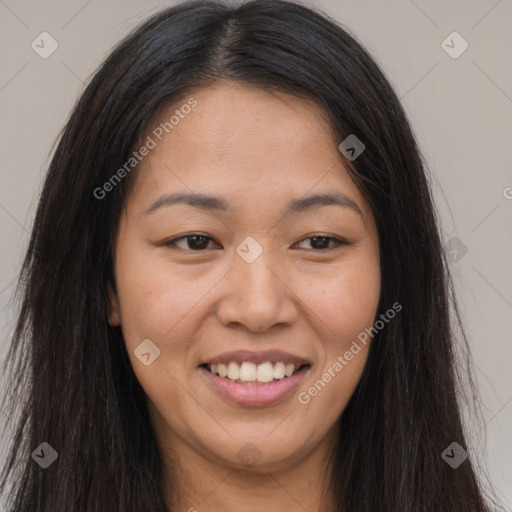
(266, 281)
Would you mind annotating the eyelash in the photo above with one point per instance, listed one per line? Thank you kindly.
(338, 242)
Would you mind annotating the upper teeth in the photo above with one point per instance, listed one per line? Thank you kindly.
(250, 372)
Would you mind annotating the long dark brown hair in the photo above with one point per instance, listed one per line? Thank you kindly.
(68, 371)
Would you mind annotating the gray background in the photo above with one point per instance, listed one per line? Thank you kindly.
(460, 108)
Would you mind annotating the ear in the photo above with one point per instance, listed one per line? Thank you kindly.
(114, 317)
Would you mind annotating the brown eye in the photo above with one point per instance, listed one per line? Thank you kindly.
(193, 242)
(197, 242)
(321, 242)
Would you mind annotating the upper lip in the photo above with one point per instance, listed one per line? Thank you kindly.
(241, 356)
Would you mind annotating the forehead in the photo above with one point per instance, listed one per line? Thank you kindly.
(242, 141)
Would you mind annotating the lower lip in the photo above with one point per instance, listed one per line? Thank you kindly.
(255, 394)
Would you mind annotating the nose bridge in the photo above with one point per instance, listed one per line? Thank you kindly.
(256, 267)
(257, 296)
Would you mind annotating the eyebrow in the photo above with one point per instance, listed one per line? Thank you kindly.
(206, 202)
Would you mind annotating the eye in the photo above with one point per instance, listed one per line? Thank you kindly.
(197, 242)
(194, 242)
(321, 242)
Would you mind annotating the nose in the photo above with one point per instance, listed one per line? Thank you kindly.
(257, 295)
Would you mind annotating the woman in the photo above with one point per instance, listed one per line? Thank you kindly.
(235, 295)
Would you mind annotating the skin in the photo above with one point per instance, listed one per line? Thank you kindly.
(258, 150)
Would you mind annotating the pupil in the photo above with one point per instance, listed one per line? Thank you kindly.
(325, 239)
(194, 244)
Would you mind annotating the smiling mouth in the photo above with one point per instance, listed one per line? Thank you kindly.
(251, 373)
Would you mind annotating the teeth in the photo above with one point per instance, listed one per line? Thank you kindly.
(265, 372)
(279, 370)
(251, 373)
(248, 372)
(233, 371)
(222, 370)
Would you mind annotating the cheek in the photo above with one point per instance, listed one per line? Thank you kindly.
(346, 301)
(153, 298)
(346, 306)
(158, 305)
